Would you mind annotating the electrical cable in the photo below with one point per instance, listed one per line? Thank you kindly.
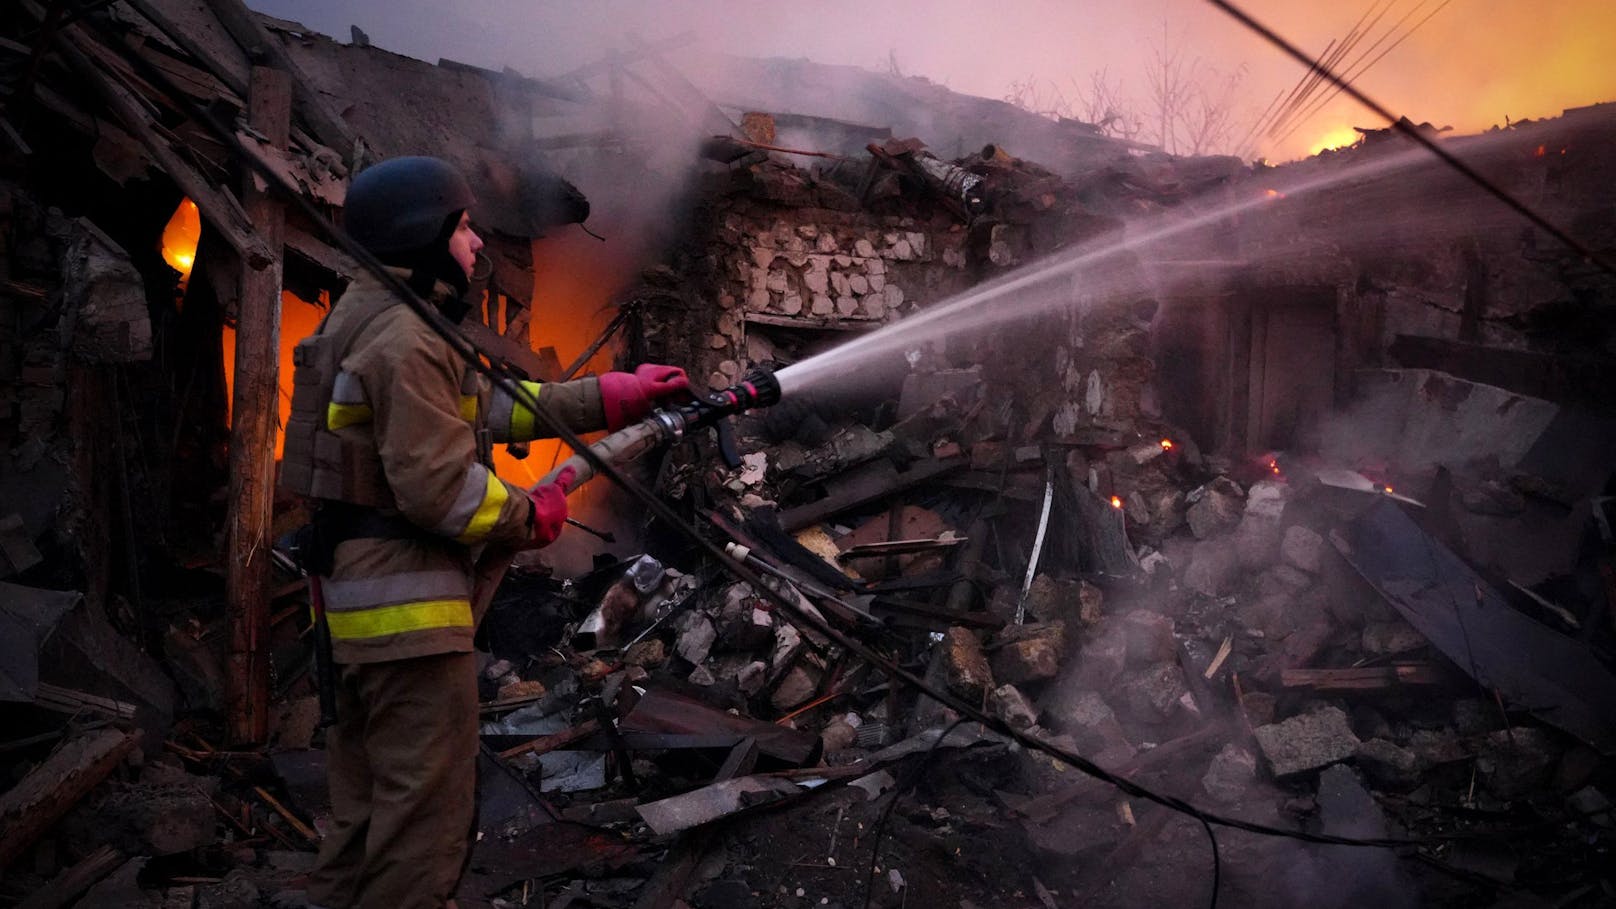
(508, 380)
(1217, 863)
(1401, 125)
(897, 793)
(1357, 72)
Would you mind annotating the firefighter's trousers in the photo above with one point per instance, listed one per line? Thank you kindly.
(402, 762)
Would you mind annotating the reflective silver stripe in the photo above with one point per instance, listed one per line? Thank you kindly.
(500, 405)
(347, 389)
(406, 587)
(466, 504)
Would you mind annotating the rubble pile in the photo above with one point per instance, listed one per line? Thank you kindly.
(1228, 549)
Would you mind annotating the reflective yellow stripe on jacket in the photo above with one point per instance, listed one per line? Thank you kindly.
(509, 421)
(476, 509)
(400, 619)
(348, 406)
(397, 604)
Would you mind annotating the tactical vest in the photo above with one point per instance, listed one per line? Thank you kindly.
(319, 460)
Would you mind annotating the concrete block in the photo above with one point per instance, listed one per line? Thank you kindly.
(1308, 741)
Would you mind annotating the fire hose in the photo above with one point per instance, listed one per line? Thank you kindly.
(758, 388)
(641, 438)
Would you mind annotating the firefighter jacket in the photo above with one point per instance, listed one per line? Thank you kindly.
(387, 417)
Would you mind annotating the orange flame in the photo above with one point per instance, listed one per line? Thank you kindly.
(299, 319)
(1273, 194)
(1116, 502)
(180, 237)
(1167, 444)
(1273, 465)
(1388, 490)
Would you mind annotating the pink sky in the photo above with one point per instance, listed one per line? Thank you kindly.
(1473, 64)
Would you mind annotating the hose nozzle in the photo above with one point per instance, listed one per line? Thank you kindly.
(758, 388)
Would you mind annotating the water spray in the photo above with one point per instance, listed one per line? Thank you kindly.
(1094, 267)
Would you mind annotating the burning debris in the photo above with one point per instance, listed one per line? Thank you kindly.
(1099, 489)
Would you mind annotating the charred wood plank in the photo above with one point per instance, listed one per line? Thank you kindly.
(1125, 853)
(742, 758)
(70, 701)
(540, 366)
(672, 878)
(54, 787)
(254, 416)
(941, 619)
(221, 209)
(232, 72)
(673, 873)
(545, 744)
(256, 40)
(663, 711)
(863, 486)
(66, 887)
(1555, 677)
(1045, 807)
(1584, 381)
(1363, 678)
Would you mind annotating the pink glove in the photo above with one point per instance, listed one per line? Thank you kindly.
(627, 398)
(549, 509)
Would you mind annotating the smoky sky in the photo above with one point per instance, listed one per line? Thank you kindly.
(1473, 64)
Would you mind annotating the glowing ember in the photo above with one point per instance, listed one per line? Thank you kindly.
(1273, 465)
(1388, 490)
(1116, 502)
(1167, 444)
(1273, 194)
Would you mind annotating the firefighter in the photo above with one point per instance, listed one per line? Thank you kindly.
(390, 439)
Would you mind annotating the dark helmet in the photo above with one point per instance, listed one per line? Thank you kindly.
(402, 205)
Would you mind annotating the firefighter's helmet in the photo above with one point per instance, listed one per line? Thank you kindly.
(402, 205)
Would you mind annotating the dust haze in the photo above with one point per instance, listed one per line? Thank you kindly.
(1473, 64)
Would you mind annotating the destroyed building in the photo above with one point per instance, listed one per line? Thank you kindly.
(1280, 490)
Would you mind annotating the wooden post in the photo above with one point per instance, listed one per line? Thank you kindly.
(255, 409)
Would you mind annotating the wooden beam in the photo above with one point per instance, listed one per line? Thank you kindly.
(255, 410)
(863, 486)
(66, 887)
(232, 72)
(545, 744)
(1362, 678)
(243, 25)
(1587, 381)
(676, 870)
(51, 789)
(1044, 807)
(223, 213)
(540, 366)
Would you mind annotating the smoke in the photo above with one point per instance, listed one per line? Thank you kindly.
(1471, 66)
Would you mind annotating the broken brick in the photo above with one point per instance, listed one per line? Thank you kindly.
(1150, 637)
(965, 666)
(1010, 705)
(1032, 653)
